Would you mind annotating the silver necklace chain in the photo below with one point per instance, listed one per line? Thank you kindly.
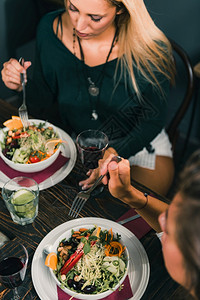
(93, 89)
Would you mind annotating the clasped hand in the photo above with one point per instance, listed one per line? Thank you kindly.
(119, 182)
(94, 174)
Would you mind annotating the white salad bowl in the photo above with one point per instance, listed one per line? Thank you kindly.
(35, 167)
(66, 236)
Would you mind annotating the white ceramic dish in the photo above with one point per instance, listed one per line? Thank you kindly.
(138, 271)
(30, 168)
(66, 235)
(68, 150)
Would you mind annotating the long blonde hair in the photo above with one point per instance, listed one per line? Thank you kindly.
(141, 39)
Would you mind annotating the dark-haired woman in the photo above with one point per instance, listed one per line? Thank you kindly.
(178, 225)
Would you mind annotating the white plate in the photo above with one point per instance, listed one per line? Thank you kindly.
(68, 150)
(138, 268)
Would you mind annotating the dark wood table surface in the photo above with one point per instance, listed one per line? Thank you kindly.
(54, 205)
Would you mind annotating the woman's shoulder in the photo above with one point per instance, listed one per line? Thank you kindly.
(47, 19)
(45, 26)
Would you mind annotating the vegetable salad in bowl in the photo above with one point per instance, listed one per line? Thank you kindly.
(32, 149)
(91, 262)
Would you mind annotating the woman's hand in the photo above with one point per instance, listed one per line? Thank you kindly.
(11, 73)
(120, 187)
(119, 183)
(94, 174)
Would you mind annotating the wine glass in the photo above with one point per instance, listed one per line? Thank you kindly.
(91, 146)
(13, 265)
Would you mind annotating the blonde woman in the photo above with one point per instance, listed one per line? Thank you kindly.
(106, 66)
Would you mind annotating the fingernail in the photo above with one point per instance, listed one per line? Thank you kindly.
(84, 187)
(113, 166)
(80, 184)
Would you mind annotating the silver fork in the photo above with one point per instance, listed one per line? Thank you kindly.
(23, 113)
(83, 196)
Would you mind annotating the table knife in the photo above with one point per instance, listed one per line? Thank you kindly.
(128, 219)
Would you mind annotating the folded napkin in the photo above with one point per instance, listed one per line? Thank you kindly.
(37, 176)
(139, 227)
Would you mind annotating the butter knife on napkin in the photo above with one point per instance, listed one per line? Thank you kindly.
(128, 219)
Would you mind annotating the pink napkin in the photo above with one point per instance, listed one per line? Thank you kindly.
(37, 176)
(139, 227)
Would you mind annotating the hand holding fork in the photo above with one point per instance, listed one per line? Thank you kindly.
(23, 113)
(83, 196)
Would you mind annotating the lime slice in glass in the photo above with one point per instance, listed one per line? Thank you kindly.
(23, 201)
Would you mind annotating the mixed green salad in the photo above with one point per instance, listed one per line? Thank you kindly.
(91, 261)
(27, 146)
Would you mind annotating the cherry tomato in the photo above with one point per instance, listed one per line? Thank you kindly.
(16, 137)
(22, 135)
(34, 159)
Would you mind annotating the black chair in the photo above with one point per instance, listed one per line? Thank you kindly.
(188, 86)
(180, 110)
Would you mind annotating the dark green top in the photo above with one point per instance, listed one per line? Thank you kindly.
(61, 78)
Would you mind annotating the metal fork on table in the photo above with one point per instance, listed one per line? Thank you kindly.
(23, 113)
(83, 196)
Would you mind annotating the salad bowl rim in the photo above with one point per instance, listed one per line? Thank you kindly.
(29, 166)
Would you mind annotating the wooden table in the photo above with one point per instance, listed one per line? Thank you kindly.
(54, 204)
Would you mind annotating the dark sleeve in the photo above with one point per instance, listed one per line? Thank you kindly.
(40, 97)
(142, 122)
(41, 88)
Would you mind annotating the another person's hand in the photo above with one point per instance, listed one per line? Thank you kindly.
(119, 183)
(94, 174)
(11, 73)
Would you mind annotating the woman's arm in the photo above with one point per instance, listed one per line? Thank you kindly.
(42, 86)
(39, 94)
(142, 120)
(120, 187)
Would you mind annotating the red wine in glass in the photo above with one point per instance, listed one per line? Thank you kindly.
(91, 145)
(10, 274)
(13, 265)
(91, 156)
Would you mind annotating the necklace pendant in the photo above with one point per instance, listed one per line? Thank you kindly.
(94, 115)
(93, 90)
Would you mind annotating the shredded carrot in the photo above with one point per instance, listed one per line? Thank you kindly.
(107, 250)
(111, 233)
(114, 249)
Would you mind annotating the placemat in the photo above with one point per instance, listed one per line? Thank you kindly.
(37, 176)
(138, 226)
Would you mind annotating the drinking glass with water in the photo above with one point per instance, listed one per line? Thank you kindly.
(21, 196)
